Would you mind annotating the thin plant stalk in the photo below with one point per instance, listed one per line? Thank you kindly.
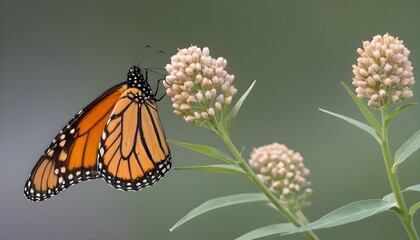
(402, 211)
(242, 163)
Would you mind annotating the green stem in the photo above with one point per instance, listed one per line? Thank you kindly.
(405, 217)
(284, 210)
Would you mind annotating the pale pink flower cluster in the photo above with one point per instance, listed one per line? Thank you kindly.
(198, 84)
(383, 73)
(283, 171)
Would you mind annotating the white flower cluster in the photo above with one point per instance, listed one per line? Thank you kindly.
(383, 73)
(198, 84)
(282, 169)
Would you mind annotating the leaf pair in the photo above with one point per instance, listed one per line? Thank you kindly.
(352, 212)
(406, 150)
(375, 127)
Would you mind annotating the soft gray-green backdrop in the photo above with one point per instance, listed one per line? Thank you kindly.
(57, 56)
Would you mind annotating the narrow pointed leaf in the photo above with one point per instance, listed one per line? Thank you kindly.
(352, 212)
(221, 202)
(267, 231)
(365, 111)
(390, 198)
(397, 111)
(210, 151)
(238, 105)
(413, 188)
(408, 148)
(356, 123)
(222, 168)
(414, 208)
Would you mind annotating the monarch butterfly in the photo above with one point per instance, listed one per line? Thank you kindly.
(118, 137)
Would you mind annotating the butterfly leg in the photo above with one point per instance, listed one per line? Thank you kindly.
(157, 88)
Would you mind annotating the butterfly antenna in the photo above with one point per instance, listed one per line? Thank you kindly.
(148, 56)
(141, 51)
(158, 71)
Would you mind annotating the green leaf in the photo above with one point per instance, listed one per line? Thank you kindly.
(267, 231)
(408, 148)
(414, 208)
(210, 151)
(390, 198)
(356, 123)
(396, 112)
(413, 188)
(220, 202)
(352, 212)
(237, 106)
(366, 112)
(222, 168)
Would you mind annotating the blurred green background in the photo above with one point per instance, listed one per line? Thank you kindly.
(57, 56)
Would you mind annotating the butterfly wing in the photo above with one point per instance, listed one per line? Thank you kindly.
(133, 153)
(72, 155)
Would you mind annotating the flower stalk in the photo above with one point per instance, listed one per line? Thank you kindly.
(384, 76)
(276, 202)
(391, 171)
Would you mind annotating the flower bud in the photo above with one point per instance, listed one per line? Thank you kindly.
(382, 70)
(284, 172)
(199, 85)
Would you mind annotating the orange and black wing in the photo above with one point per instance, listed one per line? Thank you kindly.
(72, 156)
(133, 153)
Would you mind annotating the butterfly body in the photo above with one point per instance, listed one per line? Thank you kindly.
(118, 137)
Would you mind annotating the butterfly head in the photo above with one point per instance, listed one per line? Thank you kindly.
(136, 79)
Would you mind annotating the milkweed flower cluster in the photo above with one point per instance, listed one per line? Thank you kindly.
(283, 171)
(383, 73)
(199, 85)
